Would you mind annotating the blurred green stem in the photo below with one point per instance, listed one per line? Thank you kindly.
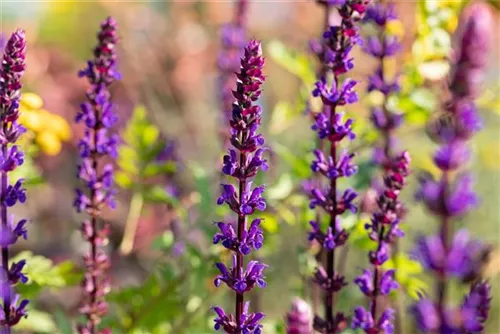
(136, 205)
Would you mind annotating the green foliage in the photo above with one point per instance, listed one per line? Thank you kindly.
(174, 297)
(138, 161)
(407, 272)
(43, 274)
(299, 64)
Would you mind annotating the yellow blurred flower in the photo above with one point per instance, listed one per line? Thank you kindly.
(58, 125)
(49, 142)
(31, 101)
(49, 130)
(396, 28)
(31, 120)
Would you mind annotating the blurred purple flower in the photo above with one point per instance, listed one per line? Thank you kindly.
(299, 318)
(98, 116)
(11, 71)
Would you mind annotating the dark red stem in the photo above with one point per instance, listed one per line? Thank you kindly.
(444, 234)
(241, 230)
(5, 250)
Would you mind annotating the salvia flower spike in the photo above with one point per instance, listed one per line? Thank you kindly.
(454, 255)
(242, 162)
(383, 230)
(338, 41)
(97, 146)
(13, 308)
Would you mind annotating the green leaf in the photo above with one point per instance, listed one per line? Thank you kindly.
(37, 321)
(63, 323)
(43, 273)
(269, 223)
(300, 166)
(158, 194)
(295, 62)
(424, 99)
(280, 189)
(203, 186)
(123, 180)
(138, 155)
(164, 242)
(281, 117)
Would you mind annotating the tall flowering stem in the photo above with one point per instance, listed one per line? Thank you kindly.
(242, 163)
(97, 146)
(233, 40)
(11, 70)
(318, 48)
(453, 255)
(383, 230)
(331, 128)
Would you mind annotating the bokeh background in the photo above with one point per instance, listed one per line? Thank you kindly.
(169, 94)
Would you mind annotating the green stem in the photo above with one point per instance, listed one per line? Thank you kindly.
(136, 205)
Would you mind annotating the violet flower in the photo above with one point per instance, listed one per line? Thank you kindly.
(337, 43)
(299, 318)
(233, 40)
(381, 46)
(11, 71)
(449, 255)
(98, 116)
(383, 230)
(242, 163)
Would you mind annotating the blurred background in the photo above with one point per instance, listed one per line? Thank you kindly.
(162, 270)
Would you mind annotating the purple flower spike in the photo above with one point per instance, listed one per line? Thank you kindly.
(474, 40)
(242, 163)
(98, 116)
(12, 191)
(335, 91)
(383, 230)
(445, 254)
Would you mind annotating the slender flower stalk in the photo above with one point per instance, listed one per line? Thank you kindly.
(382, 46)
(98, 116)
(233, 40)
(318, 48)
(11, 70)
(453, 255)
(299, 319)
(242, 162)
(331, 128)
(383, 230)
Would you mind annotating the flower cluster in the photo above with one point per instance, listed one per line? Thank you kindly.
(242, 163)
(383, 230)
(299, 319)
(381, 46)
(233, 40)
(11, 71)
(98, 116)
(338, 41)
(444, 254)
